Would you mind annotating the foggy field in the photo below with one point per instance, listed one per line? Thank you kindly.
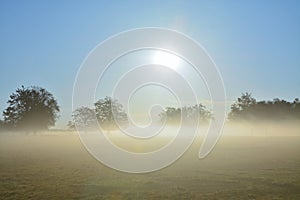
(56, 166)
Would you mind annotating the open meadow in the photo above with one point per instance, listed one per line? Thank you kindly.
(56, 165)
(193, 100)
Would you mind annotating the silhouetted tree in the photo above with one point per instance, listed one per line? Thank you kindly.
(84, 117)
(240, 109)
(31, 109)
(248, 109)
(109, 112)
(187, 113)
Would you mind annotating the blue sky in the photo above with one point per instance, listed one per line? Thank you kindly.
(255, 44)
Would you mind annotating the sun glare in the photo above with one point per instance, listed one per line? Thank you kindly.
(166, 59)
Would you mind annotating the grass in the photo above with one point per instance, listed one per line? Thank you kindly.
(58, 167)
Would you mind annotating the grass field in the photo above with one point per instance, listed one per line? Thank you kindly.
(54, 166)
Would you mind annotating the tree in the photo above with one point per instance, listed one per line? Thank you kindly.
(31, 109)
(84, 117)
(187, 113)
(248, 109)
(203, 112)
(240, 109)
(109, 113)
(171, 115)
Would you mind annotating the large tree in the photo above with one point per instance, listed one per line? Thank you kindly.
(109, 113)
(31, 109)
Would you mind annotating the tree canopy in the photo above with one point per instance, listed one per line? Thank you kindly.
(110, 112)
(187, 113)
(31, 109)
(248, 109)
(84, 117)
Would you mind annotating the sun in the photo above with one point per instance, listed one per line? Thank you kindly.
(166, 59)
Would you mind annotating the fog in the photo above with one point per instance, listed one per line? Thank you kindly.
(266, 128)
(261, 128)
(263, 158)
(162, 136)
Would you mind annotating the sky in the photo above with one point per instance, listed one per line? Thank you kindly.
(255, 44)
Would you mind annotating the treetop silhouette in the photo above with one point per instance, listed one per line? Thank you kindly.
(31, 109)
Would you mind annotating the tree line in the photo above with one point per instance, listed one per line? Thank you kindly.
(188, 114)
(34, 109)
(108, 113)
(247, 108)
